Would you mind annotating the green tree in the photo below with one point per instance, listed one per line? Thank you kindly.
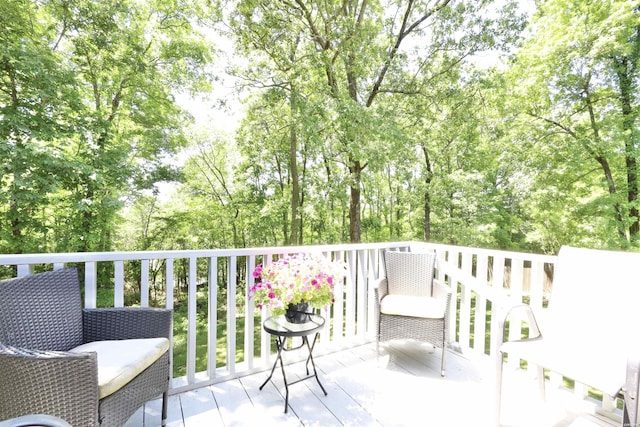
(88, 112)
(39, 111)
(130, 56)
(577, 89)
(357, 54)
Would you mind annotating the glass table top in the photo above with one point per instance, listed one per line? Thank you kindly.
(278, 325)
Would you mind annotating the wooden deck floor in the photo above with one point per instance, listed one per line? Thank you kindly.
(401, 387)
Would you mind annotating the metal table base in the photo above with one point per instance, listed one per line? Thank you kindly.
(282, 332)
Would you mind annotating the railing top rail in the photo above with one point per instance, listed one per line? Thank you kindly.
(495, 252)
(45, 258)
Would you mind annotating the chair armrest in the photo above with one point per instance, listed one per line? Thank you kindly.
(34, 420)
(101, 324)
(440, 291)
(49, 382)
(534, 329)
(380, 288)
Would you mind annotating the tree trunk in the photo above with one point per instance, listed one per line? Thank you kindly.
(16, 227)
(606, 168)
(293, 168)
(427, 216)
(427, 194)
(354, 205)
(624, 70)
(87, 221)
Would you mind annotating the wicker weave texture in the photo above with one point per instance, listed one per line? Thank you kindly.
(412, 274)
(117, 408)
(126, 323)
(36, 377)
(409, 273)
(42, 311)
(54, 383)
(433, 331)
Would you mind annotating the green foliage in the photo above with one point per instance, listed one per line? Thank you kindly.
(364, 121)
(573, 113)
(87, 114)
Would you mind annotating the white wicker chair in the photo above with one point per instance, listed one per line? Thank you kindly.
(589, 331)
(410, 303)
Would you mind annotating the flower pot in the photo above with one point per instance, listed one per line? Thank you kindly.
(298, 313)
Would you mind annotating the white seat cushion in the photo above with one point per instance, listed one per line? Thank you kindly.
(120, 361)
(408, 305)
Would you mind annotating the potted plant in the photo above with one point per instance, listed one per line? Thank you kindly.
(293, 283)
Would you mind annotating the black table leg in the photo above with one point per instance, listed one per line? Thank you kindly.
(313, 364)
(275, 363)
(280, 344)
(281, 341)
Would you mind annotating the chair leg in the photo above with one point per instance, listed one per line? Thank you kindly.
(444, 348)
(165, 398)
(629, 418)
(632, 392)
(630, 410)
(378, 333)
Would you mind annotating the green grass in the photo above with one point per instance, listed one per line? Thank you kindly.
(180, 324)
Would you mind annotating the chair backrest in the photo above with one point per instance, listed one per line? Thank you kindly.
(595, 296)
(42, 311)
(409, 273)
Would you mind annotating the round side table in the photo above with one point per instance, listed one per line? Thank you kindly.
(281, 329)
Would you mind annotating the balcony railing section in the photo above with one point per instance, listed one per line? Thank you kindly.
(222, 326)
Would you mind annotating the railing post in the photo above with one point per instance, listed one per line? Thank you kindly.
(24, 270)
(265, 338)
(192, 316)
(480, 328)
(338, 305)
(144, 283)
(351, 294)
(249, 334)
(212, 317)
(497, 313)
(452, 261)
(231, 315)
(362, 291)
(465, 302)
(118, 284)
(169, 301)
(373, 274)
(90, 279)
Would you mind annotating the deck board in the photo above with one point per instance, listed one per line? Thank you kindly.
(400, 387)
(199, 407)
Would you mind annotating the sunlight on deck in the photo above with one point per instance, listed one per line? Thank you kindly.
(401, 387)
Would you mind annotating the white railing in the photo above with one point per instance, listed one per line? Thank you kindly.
(225, 274)
(484, 282)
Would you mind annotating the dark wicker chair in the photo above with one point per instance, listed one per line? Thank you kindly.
(410, 303)
(41, 320)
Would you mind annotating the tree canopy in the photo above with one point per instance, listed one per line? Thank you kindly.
(475, 123)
